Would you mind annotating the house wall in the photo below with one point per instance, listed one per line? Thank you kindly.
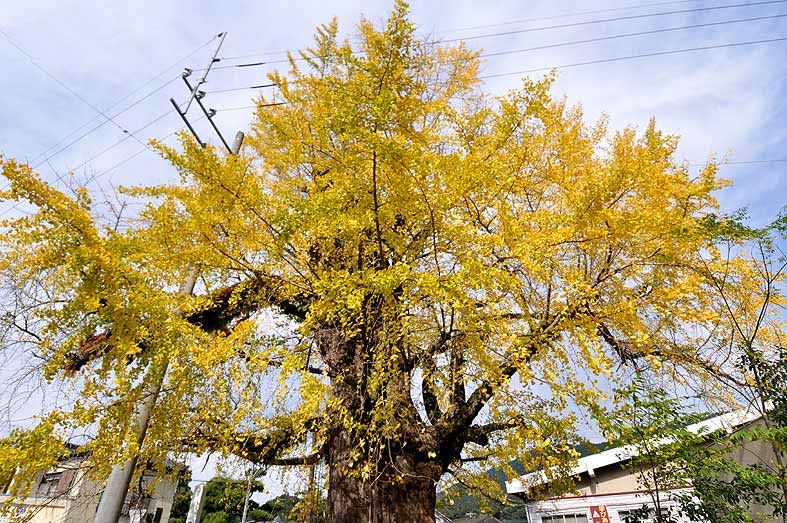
(87, 494)
(758, 453)
(162, 497)
(614, 504)
(79, 501)
(40, 508)
(609, 480)
(36, 510)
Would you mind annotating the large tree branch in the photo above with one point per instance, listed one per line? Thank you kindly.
(262, 449)
(456, 427)
(457, 377)
(311, 459)
(629, 352)
(623, 348)
(218, 310)
(243, 298)
(431, 404)
(479, 434)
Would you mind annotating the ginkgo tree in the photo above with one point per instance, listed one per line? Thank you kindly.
(401, 276)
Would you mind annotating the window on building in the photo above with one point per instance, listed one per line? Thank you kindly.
(565, 518)
(55, 484)
(48, 484)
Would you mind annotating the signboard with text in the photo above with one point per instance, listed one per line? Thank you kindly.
(599, 514)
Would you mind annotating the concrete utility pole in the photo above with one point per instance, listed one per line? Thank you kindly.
(115, 492)
(239, 136)
(197, 504)
(251, 475)
(114, 495)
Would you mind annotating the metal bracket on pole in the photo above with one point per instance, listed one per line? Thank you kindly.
(198, 95)
(205, 73)
(208, 114)
(186, 121)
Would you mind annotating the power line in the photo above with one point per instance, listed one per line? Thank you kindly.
(127, 108)
(749, 162)
(512, 22)
(614, 59)
(115, 144)
(125, 137)
(66, 87)
(271, 104)
(273, 84)
(127, 96)
(116, 165)
(485, 55)
(591, 62)
(100, 125)
(605, 20)
(632, 57)
(545, 28)
(566, 15)
(140, 151)
(628, 35)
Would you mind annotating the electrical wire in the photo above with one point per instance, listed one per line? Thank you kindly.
(590, 62)
(499, 24)
(485, 55)
(127, 96)
(273, 84)
(66, 87)
(245, 107)
(116, 165)
(100, 125)
(115, 144)
(127, 133)
(547, 27)
(566, 15)
(605, 20)
(633, 57)
(140, 151)
(576, 64)
(127, 108)
(629, 35)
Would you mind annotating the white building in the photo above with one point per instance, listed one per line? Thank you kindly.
(66, 495)
(606, 490)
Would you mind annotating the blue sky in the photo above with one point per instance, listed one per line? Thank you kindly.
(725, 101)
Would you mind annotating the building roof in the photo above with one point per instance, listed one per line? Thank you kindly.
(588, 464)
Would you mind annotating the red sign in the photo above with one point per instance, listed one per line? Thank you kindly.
(599, 514)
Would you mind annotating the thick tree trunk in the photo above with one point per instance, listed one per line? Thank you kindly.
(403, 491)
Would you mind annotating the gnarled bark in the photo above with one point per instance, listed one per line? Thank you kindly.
(402, 491)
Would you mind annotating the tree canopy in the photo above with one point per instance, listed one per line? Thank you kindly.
(400, 275)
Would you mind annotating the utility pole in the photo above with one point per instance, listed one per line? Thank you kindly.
(114, 495)
(198, 95)
(312, 494)
(252, 475)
